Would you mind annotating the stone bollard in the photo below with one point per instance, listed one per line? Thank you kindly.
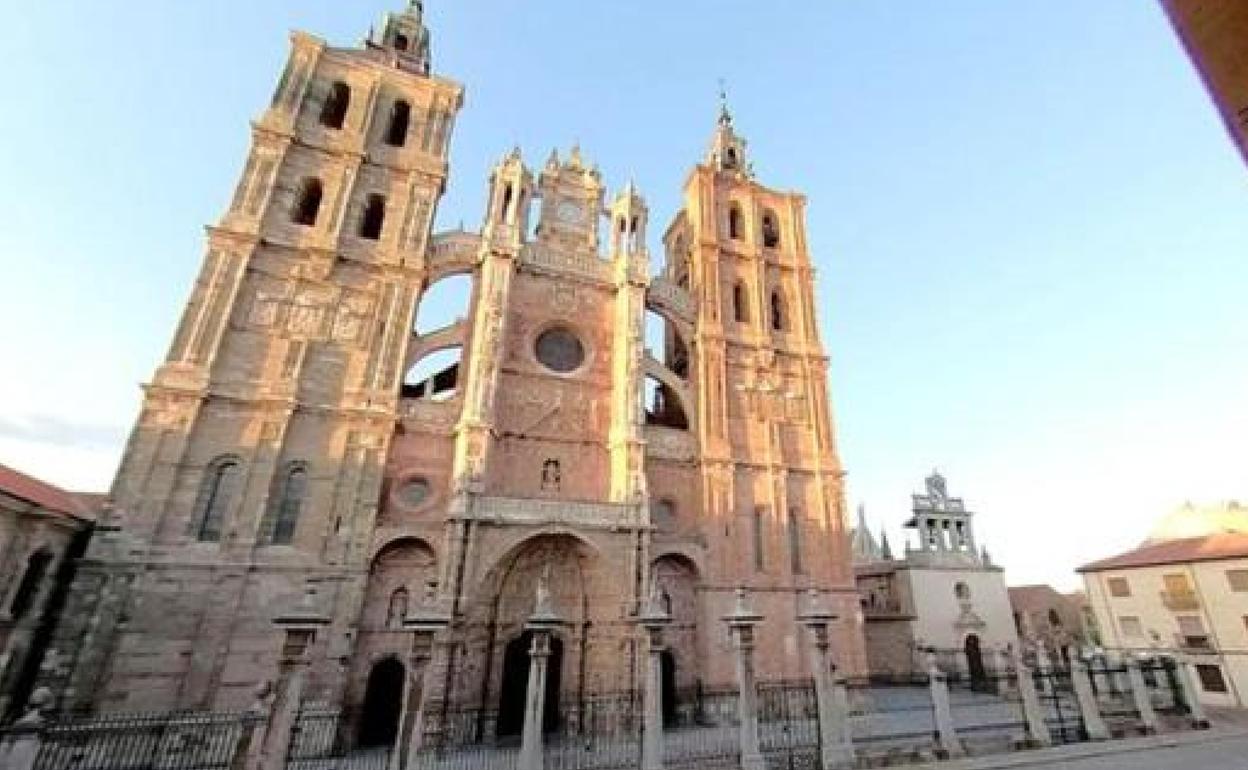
(653, 620)
(21, 745)
(1139, 689)
(946, 734)
(1187, 683)
(1093, 724)
(835, 739)
(542, 623)
(1033, 712)
(741, 624)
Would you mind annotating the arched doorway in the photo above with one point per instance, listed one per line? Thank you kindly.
(975, 663)
(383, 703)
(668, 672)
(511, 699)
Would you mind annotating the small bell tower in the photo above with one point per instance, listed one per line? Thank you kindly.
(511, 192)
(727, 153)
(405, 36)
(628, 223)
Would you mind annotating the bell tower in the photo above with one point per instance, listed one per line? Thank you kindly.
(771, 477)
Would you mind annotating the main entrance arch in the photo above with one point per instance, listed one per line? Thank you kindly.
(383, 704)
(513, 693)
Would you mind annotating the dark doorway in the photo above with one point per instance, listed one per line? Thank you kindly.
(516, 681)
(975, 663)
(668, 671)
(383, 702)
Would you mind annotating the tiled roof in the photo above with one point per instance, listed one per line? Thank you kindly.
(40, 493)
(1223, 545)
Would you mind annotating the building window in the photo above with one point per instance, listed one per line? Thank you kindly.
(736, 223)
(24, 596)
(757, 523)
(1211, 679)
(1119, 587)
(400, 42)
(288, 502)
(560, 350)
(1055, 620)
(795, 541)
(334, 111)
(771, 231)
(778, 311)
(400, 121)
(216, 493)
(740, 303)
(1238, 578)
(374, 217)
(663, 515)
(396, 613)
(308, 204)
(1131, 627)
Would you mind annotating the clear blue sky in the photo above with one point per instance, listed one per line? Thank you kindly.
(1029, 226)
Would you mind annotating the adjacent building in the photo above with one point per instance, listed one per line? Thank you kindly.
(945, 594)
(296, 439)
(1060, 622)
(1215, 34)
(43, 529)
(1184, 590)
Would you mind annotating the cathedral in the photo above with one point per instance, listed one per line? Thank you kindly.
(296, 445)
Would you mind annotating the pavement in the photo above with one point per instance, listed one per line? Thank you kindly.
(1223, 747)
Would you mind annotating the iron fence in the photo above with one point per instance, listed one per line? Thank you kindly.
(708, 736)
(788, 725)
(178, 741)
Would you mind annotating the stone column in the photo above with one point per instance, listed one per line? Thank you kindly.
(1187, 682)
(1143, 701)
(942, 712)
(301, 626)
(425, 625)
(1033, 711)
(835, 740)
(653, 621)
(741, 625)
(542, 623)
(1093, 724)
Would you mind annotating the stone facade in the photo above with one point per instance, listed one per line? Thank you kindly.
(1061, 622)
(946, 595)
(287, 444)
(42, 530)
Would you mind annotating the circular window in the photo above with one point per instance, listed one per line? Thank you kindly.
(414, 492)
(560, 350)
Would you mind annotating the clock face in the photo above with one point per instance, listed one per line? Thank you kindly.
(570, 213)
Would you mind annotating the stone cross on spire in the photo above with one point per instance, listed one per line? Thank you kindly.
(725, 116)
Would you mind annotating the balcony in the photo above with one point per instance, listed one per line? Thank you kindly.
(1180, 601)
(1196, 643)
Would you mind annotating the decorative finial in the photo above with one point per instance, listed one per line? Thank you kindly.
(725, 117)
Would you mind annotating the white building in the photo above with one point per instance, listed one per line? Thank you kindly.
(1184, 590)
(945, 594)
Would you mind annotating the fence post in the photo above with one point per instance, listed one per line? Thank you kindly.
(1187, 683)
(653, 621)
(1042, 666)
(1093, 724)
(20, 748)
(741, 625)
(946, 734)
(1033, 712)
(247, 743)
(836, 747)
(1143, 701)
(543, 621)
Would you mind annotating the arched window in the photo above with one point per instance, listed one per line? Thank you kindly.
(730, 158)
(508, 195)
(759, 562)
(285, 505)
(216, 493)
(400, 121)
(736, 223)
(334, 111)
(778, 320)
(740, 303)
(795, 541)
(28, 589)
(771, 230)
(374, 217)
(308, 203)
(400, 42)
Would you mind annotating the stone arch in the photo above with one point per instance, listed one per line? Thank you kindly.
(498, 607)
(407, 563)
(673, 393)
(679, 579)
(383, 703)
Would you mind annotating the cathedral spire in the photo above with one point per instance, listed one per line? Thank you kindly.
(727, 148)
(405, 36)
